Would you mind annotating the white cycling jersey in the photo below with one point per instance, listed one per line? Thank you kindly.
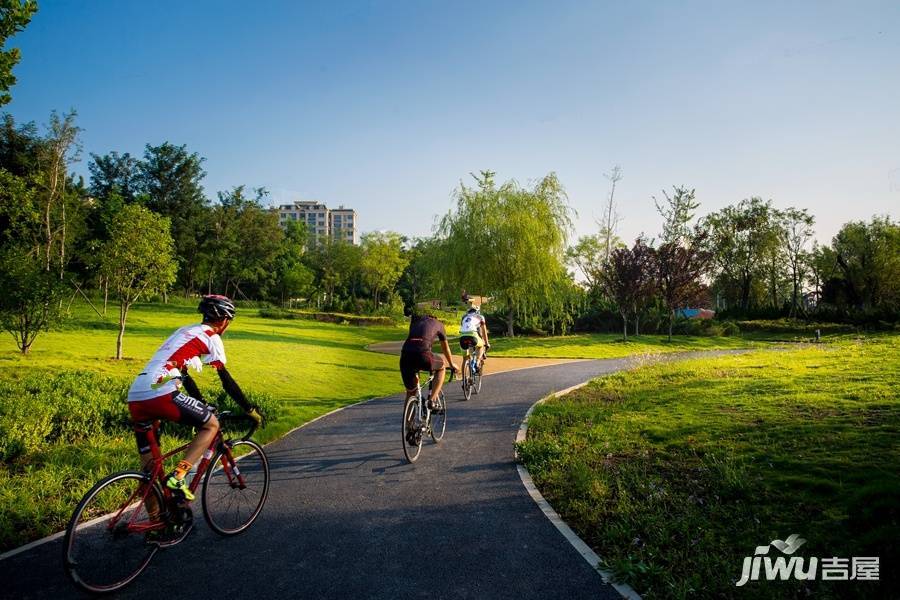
(471, 322)
(183, 345)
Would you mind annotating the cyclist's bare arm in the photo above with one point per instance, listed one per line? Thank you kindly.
(445, 346)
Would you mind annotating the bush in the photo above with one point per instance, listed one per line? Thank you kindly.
(63, 408)
(325, 317)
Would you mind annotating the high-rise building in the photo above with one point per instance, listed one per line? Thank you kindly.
(343, 225)
(321, 223)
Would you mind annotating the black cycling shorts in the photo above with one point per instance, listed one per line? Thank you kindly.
(411, 362)
(176, 407)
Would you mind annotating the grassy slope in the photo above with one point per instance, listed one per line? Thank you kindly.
(675, 472)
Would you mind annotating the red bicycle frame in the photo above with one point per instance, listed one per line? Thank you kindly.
(156, 472)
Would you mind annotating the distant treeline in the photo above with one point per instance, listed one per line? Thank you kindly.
(144, 227)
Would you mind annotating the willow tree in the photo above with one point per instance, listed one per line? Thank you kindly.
(508, 242)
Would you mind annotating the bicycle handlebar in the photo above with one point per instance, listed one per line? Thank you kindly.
(230, 416)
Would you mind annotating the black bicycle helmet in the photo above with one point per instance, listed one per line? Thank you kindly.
(215, 308)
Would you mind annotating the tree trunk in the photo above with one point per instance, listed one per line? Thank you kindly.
(671, 322)
(123, 313)
(105, 294)
(509, 323)
(624, 327)
(637, 322)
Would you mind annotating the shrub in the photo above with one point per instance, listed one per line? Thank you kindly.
(63, 408)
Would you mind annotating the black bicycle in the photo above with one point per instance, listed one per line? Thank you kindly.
(420, 421)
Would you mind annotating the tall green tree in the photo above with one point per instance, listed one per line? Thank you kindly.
(740, 237)
(796, 236)
(114, 173)
(508, 241)
(383, 261)
(14, 16)
(421, 279)
(138, 259)
(677, 212)
(293, 278)
(243, 245)
(868, 259)
(171, 177)
(588, 256)
(29, 303)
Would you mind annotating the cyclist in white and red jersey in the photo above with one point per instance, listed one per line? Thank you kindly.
(156, 392)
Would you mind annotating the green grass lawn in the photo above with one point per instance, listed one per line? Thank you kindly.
(607, 345)
(675, 472)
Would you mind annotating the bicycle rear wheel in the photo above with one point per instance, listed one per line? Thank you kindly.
(439, 419)
(106, 547)
(234, 491)
(412, 429)
(466, 380)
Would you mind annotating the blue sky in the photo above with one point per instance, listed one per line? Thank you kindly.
(385, 105)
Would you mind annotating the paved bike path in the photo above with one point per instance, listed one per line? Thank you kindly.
(347, 517)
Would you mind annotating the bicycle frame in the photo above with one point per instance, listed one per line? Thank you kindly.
(157, 473)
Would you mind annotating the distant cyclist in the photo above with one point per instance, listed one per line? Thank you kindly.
(416, 355)
(473, 333)
(156, 392)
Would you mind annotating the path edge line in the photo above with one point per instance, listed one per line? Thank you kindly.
(624, 590)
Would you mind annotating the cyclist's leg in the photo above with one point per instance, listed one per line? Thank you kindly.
(439, 369)
(197, 414)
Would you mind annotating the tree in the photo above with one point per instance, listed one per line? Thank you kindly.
(421, 279)
(625, 279)
(170, 177)
(739, 238)
(588, 256)
(796, 234)
(868, 258)
(114, 173)
(244, 242)
(677, 211)
(29, 303)
(679, 269)
(14, 16)
(293, 278)
(520, 235)
(610, 216)
(138, 259)
(60, 149)
(383, 261)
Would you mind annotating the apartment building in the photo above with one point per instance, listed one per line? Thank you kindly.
(322, 222)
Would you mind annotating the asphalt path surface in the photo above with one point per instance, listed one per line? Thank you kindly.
(348, 517)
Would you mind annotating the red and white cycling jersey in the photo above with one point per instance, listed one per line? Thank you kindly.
(186, 343)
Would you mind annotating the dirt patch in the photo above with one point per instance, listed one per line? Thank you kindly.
(492, 366)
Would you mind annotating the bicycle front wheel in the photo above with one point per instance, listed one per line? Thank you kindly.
(412, 430)
(235, 490)
(439, 419)
(106, 545)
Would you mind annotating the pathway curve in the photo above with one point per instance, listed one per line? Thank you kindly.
(347, 517)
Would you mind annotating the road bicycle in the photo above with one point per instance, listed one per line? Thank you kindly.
(471, 373)
(420, 421)
(126, 518)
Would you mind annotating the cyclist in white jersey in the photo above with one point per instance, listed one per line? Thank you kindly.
(156, 392)
(473, 332)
